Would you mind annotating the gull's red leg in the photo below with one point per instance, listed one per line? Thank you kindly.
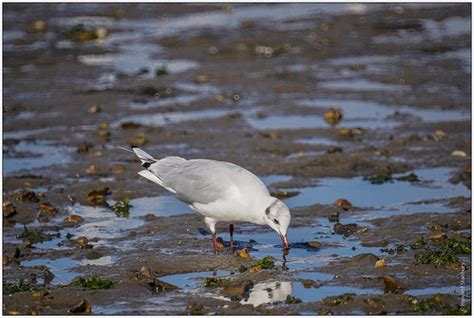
(214, 243)
(231, 232)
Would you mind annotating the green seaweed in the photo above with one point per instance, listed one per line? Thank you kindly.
(21, 286)
(162, 70)
(446, 254)
(93, 282)
(35, 236)
(292, 300)
(433, 304)
(122, 208)
(266, 262)
(212, 282)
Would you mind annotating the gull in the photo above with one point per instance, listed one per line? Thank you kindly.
(218, 190)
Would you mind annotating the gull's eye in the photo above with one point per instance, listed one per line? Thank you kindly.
(276, 221)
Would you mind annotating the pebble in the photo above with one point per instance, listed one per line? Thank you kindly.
(243, 253)
(83, 307)
(379, 263)
(95, 109)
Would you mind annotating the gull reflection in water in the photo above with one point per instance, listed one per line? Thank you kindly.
(264, 293)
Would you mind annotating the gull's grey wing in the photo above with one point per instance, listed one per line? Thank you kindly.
(198, 181)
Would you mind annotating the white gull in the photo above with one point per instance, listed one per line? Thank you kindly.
(220, 191)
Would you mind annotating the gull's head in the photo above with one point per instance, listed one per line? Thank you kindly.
(278, 217)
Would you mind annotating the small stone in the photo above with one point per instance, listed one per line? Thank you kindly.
(95, 109)
(8, 209)
(98, 197)
(145, 274)
(201, 79)
(48, 208)
(118, 169)
(220, 245)
(47, 276)
(84, 147)
(458, 154)
(255, 269)
(74, 219)
(438, 237)
(83, 307)
(343, 203)
(261, 115)
(236, 97)
(91, 169)
(219, 98)
(196, 309)
(334, 150)
(39, 293)
(213, 50)
(129, 125)
(6, 260)
(138, 140)
(315, 244)
(243, 253)
(104, 125)
(345, 229)
(334, 217)
(82, 241)
(103, 133)
(391, 285)
(308, 283)
(333, 116)
(379, 263)
(39, 25)
(150, 217)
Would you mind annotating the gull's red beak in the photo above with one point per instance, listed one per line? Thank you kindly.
(284, 239)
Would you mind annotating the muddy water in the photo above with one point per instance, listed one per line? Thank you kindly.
(247, 84)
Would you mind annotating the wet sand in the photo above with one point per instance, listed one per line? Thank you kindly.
(249, 84)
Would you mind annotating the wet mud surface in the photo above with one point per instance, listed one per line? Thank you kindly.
(255, 85)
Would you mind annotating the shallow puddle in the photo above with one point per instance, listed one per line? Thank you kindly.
(61, 268)
(44, 155)
(434, 185)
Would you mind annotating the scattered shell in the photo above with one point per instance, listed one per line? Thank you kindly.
(201, 79)
(220, 245)
(104, 125)
(91, 169)
(101, 32)
(362, 230)
(118, 169)
(138, 140)
(243, 253)
(219, 98)
(379, 263)
(83, 307)
(255, 269)
(213, 50)
(39, 25)
(439, 135)
(345, 229)
(48, 208)
(6, 260)
(391, 285)
(458, 154)
(333, 116)
(438, 237)
(350, 132)
(95, 109)
(236, 97)
(74, 218)
(266, 51)
(8, 209)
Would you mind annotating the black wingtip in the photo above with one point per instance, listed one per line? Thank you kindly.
(132, 146)
(146, 165)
